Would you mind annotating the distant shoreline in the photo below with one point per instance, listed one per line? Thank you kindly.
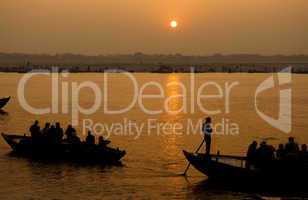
(298, 68)
(155, 63)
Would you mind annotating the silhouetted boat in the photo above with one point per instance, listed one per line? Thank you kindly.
(231, 170)
(4, 101)
(24, 146)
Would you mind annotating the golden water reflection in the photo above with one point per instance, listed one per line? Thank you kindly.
(174, 95)
(172, 138)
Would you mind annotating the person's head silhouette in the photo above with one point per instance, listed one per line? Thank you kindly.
(208, 120)
(291, 139)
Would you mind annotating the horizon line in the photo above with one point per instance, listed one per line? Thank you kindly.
(139, 53)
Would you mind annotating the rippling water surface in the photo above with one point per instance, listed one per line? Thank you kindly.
(154, 158)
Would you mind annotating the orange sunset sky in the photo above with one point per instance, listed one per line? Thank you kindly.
(127, 26)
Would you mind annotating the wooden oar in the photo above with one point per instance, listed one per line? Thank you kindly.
(184, 174)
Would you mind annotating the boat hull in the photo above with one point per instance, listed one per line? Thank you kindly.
(217, 170)
(278, 175)
(24, 146)
(4, 101)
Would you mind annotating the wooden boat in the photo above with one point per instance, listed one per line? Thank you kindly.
(231, 170)
(4, 101)
(23, 145)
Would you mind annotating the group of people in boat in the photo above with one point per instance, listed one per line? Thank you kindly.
(263, 155)
(54, 134)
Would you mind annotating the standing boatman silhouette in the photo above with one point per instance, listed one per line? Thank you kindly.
(207, 131)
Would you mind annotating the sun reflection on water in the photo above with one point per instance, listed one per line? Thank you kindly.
(172, 141)
(174, 94)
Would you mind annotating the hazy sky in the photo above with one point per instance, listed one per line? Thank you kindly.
(127, 26)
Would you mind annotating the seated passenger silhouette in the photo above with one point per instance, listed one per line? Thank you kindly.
(69, 131)
(90, 139)
(58, 133)
(45, 130)
(51, 135)
(71, 135)
(35, 131)
(251, 156)
(303, 153)
(291, 149)
(280, 153)
(265, 155)
(102, 142)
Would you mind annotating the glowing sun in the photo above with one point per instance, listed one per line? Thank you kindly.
(173, 24)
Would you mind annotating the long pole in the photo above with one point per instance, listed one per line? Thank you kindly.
(184, 174)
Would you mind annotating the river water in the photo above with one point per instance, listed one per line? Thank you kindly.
(153, 141)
